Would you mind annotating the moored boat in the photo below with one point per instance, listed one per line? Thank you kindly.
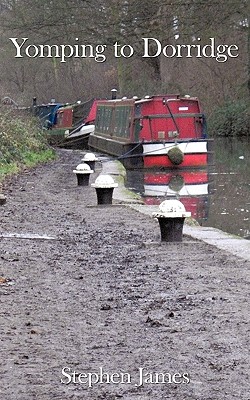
(46, 113)
(153, 132)
(75, 123)
(68, 125)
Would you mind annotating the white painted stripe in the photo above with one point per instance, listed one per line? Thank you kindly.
(186, 190)
(186, 148)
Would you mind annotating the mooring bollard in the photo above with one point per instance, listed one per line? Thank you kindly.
(171, 216)
(2, 199)
(104, 186)
(83, 172)
(90, 159)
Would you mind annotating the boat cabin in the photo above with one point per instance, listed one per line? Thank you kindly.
(154, 132)
(157, 118)
(73, 115)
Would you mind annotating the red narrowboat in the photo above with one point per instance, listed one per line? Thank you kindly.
(154, 132)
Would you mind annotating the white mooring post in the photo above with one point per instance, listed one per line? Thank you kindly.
(104, 186)
(83, 172)
(171, 216)
(2, 199)
(90, 159)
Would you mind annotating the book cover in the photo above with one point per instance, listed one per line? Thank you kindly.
(95, 302)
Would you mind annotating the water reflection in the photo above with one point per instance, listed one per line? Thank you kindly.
(230, 204)
(217, 197)
(191, 187)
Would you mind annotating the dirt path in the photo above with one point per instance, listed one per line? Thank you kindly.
(92, 290)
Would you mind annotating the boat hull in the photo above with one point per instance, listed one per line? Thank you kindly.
(78, 139)
(130, 154)
(55, 136)
(196, 153)
(69, 138)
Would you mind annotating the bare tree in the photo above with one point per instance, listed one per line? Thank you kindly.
(126, 22)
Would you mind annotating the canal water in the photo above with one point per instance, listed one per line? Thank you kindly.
(218, 196)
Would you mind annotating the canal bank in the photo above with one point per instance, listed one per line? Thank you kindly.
(85, 287)
(222, 240)
(217, 196)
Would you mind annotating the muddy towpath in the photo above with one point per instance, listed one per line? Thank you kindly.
(94, 306)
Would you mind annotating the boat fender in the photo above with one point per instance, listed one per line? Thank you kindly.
(176, 183)
(175, 155)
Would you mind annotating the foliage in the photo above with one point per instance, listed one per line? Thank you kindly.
(232, 119)
(21, 142)
(126, 22)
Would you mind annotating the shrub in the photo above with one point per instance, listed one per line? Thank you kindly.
(232, 119)
(20, 141)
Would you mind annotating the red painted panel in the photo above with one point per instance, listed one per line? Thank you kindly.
(161, 128)
(64, 118)
(191, 177)
(190, 160)
(92, 114)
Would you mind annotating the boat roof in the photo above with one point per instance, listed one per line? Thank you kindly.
(147, 99)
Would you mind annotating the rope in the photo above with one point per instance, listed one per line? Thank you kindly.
(128, 153)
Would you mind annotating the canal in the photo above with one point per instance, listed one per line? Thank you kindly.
(218, 196)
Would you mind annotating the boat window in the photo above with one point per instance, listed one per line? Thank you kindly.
(113, 120)
(106, 119)
(127, 120)
(109, 119)
(121, 126)
(98, 118)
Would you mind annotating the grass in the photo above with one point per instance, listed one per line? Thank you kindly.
(31, 159)
(22, 143)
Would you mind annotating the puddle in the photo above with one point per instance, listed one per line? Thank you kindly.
(31, 236)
